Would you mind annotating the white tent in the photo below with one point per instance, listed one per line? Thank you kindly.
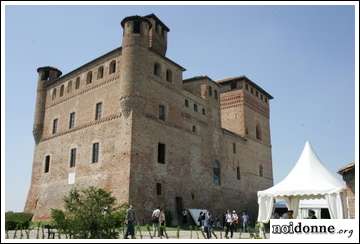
(309, 179)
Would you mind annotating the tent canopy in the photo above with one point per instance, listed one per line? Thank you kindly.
(309, 179)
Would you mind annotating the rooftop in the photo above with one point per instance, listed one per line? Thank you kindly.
(347, 168)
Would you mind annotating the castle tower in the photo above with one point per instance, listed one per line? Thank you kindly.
(245, 109)
(45, 74)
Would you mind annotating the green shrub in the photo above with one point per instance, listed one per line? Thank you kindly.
(18, 220)
(168, 217)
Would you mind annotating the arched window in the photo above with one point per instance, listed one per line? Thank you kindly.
(53, 96)
(69, 87)
(136, 26)
(261, 170)
(168, 75)
(89, 77)
(216, 172)
(258, 132)
(77, 83)
(61, 90)
(112, 67)
(100, 73)
(157, 69)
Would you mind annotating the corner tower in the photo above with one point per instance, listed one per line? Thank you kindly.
(45, 74)
(158, 34)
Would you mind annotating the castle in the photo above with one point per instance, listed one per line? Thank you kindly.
(129, 123)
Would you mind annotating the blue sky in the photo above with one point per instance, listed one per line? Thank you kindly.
(302, 55)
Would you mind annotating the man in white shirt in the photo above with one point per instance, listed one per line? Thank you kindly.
(228, 224)
(155, 220)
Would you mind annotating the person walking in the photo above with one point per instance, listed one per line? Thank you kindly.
(162, 222)
(201, 219)
(228, 224)
(245, 221)
(235, 218)
(155, 221)
(208, 222)
(130, 220)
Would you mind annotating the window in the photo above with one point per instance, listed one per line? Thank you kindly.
(55, 125)
(261, 170)
(234, 147)
(246, 86)
(72, 157)
(47, 164)
(69, 87)
(53, 96)
(89, 77)
(246, 131)
(251, 90)
(261, 97)
(61, 90)
(158, 189)
(215, 94)
(95, 153)
(258, 132)
(100, 73)
(203, 111)
(168, 75)
(194, 129)
(216, 172)
(257, 93)
(210, 91)
(112, 67)
(233, 85)
(136, 26)
(158, 28)
(238, 173)
(98, 111)
(192, 196)
(77, 83)
(186, 103)
(195, 107)
(162, 112)
(266, 99)
(161, 153)
(72, 120)
(157, 69)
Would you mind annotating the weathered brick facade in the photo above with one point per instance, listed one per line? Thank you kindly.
(209, 128)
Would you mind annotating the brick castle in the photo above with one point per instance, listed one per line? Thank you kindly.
(128, 122)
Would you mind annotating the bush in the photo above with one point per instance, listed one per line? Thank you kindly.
(89, 213)
(19, 220)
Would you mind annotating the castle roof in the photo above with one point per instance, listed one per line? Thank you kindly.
(200, 77)
(157, 20)
(243, 77)
(346, 168)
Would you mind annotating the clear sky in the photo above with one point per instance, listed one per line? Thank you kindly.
(302, 55)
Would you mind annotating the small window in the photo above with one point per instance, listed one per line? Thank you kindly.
(112, 67)
(238, 173)
(72, 120)
(89, 77)
(161, 153)
(47, 164)
(193, 128)
(261, 171)
(261, 97)
(77, 83)
(95, 153)
(55, 125)
(246, 131)
(162, 112)
(72, 157)
(69, 87)
(246, 86)
(216, 172)
(186, 103)
(136, 26)
(233, 85)
(192, 196)
(257, 93)
(234, 147)
(158, 28)
(251, 90)
(210, 91)
(215, 94)
(157, 69)
(203, 111)
(98, 111)
(53, 96)
(158, 189)
(266, 99)
(195, 107)
(168, 75)
(61, 90)
(100, 73)
(258, 132)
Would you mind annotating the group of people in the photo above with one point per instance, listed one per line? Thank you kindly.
(159, 222)
(231, 222)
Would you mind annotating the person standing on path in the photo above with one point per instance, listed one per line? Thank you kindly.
(130, 221)
(155, 221)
